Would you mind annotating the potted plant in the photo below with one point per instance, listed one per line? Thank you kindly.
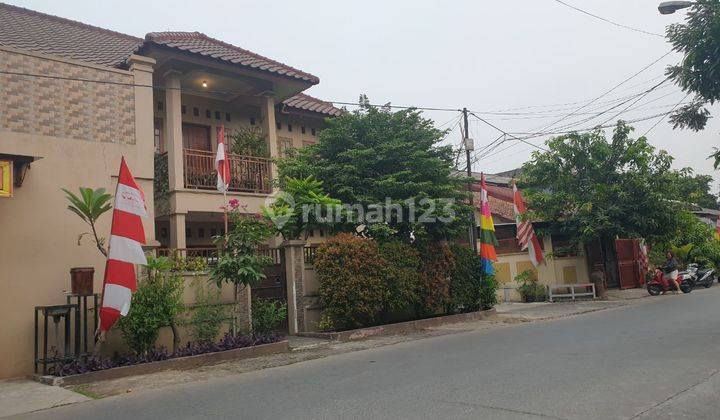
(530, 290)
(88, 206)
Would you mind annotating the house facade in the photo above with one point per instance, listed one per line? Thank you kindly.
(564, 262)
(75, 98)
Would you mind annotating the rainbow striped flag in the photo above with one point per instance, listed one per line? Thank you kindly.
(488, 241)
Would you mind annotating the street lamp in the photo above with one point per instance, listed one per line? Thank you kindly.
(670, 7)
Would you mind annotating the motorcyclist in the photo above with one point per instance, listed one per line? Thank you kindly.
(670, 270)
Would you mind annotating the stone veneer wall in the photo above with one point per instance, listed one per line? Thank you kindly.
(100, 112)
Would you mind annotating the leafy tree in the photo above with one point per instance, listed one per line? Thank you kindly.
(301, 207)
(240, 261)
(593, 189)
(694, 189)
(89, 206)
(698, 39)
(373, 157)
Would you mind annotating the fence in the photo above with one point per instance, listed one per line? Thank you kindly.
(247, 173)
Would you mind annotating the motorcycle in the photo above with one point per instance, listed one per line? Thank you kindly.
(699, 276)
(657, 284)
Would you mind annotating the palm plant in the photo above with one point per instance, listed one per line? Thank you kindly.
(89, 206)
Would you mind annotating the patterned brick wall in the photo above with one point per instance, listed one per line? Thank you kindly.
(65, 108)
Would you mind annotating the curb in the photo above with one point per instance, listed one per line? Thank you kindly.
(399, 328)
(180, 363)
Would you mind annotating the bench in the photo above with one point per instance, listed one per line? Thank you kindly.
(576, 290)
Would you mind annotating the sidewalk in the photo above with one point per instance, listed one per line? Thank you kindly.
(18, 396)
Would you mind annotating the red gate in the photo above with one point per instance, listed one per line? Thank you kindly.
(630, 267)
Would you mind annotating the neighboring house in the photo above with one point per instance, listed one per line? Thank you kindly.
(567, 265)
(110, 95)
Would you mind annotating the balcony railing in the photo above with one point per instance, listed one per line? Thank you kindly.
(247, 174)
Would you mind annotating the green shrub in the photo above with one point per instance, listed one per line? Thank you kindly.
(530, 290)
(470, 289)
(351, 272)
(435, 272)
(155, 304)
(267, 314)
(207, 315)
(402, 277)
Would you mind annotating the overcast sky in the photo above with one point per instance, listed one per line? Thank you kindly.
(484, 55)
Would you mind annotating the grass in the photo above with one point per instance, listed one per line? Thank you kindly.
(85, 390)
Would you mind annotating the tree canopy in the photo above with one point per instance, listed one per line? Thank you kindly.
(373, 156)
(591, 188)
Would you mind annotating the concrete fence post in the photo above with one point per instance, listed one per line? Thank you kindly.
(294, 276)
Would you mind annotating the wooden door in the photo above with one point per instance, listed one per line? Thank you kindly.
(629, 265)
(196, 137)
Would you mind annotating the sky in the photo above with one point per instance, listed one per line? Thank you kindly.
(526, 59)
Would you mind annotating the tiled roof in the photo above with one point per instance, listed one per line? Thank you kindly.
(199, 43)
(33, 31)
(498, 207)
(305, 102)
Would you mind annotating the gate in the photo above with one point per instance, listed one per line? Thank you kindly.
(630, 267)
(274, 285)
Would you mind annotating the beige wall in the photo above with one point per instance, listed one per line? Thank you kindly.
(80, 130)
(558, 270)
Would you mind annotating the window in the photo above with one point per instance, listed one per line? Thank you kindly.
(312, 131)
(196, 111)
(302, 129)
(563, 246)
(252, 121)
(227, 116)
(158, 134)
(161, 106)
(188, 232)
(290, 128)
(278, 125)
(183, 109)
(217, 115)
(285, 146)
(208, 114)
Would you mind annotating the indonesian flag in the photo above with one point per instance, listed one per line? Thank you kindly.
(221, 162)
(127, 236)
(525, 233)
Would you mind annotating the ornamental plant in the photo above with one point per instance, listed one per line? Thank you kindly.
(89, 206)
(267, 314)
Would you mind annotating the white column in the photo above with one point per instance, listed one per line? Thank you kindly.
(173, 131)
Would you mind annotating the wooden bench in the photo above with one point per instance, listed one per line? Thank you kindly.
(576, 290)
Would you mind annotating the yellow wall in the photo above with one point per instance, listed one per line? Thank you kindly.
(39, 240)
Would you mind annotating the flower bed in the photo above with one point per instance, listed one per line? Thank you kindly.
(228, 342)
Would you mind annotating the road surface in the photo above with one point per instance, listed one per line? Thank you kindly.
(656, 359)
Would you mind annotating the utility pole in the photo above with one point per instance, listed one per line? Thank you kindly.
(469, 146)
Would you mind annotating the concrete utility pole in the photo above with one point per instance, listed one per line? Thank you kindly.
(469, 146)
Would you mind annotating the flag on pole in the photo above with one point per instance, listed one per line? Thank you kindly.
(525, 233)
(488, 241)
(222, 163)
(127, 236)
(717, 229)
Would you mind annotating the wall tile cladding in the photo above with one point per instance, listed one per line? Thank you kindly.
(101, 112)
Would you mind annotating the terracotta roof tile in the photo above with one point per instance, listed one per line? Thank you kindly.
(34, 31)
(199, 43)
(305, 102)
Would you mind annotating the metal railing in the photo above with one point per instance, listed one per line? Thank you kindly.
(247, 173)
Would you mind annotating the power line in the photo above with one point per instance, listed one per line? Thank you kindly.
(665, 115)
(619, 25)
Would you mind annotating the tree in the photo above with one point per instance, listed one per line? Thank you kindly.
(694, 189)
(382, 160)
(89, 206)
(594, 189)
(301, 207)
(698, 74)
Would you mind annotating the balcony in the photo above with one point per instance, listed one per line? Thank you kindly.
(247, 173)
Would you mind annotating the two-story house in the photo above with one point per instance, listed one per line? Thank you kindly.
(74, 98)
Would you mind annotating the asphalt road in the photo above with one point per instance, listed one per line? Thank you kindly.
(655, 359)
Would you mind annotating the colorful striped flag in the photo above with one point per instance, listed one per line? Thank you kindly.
(717, 229)
(488, 241)
(525, 233)
(127, 236)
(222, 163)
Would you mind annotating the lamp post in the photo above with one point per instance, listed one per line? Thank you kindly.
(670, 7)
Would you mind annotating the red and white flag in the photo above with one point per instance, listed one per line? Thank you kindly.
(221, 162)
(127, 236)
(525, 233)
